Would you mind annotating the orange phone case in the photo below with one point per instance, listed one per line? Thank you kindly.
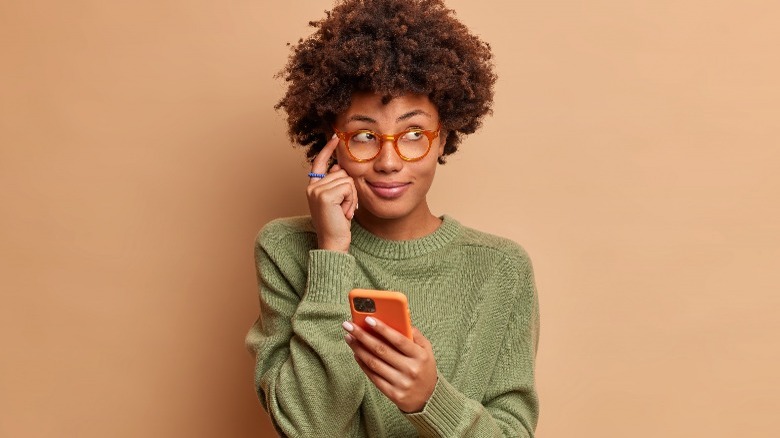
(391, 307)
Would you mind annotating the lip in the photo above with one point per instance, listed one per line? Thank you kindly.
(388, 189)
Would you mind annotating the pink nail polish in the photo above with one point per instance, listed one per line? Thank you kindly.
(371, 321)
(347, 326)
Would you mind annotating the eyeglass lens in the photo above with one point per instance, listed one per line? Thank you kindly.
(412, 144)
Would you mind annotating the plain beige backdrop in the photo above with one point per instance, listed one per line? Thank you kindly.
(634, 152)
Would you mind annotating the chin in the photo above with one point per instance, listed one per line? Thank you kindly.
(385, 212)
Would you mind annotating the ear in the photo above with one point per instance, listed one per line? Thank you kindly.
(442, 141)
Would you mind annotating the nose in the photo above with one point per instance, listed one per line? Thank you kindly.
(388, 160)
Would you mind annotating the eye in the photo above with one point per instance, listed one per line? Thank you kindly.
(364, 137)
(413, 135)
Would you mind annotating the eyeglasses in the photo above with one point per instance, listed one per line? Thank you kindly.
(365, 145)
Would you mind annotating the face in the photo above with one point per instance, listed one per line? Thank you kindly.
(390, 188)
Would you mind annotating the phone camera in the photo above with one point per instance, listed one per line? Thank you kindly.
(365, 305)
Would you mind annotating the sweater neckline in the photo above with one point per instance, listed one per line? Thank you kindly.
(403, 249)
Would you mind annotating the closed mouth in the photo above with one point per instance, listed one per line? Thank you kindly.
(388, 189)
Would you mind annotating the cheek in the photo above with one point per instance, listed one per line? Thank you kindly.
(430, 173)
(343, 160)
(426, 175)
(353, 169)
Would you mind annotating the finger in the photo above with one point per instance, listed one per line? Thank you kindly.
(319, 186)
(421, 340)
(348, 207)
(333, 192)
(331, 179)
(320, 163)
(354, 204)
(379, 347)
(383, 385)
(351, 206)
(374, 363)
(401, 343)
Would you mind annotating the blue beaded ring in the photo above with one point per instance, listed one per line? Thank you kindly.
(316, 175)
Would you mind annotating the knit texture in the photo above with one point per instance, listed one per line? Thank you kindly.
(470, 293)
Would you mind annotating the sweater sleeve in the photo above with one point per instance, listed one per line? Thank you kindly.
(305, 375)
(510, 406)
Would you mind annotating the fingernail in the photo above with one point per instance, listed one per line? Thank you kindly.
(347, 326)
(348, 338)
(334, 136)
(371, 321)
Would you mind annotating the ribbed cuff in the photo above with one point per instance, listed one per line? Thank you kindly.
(441, 415)
(331, 276)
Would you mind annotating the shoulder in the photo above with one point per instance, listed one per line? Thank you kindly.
(500, 246)
(501, 260)
(283, 231)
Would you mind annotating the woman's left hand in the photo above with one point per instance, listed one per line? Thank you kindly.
(402, 369)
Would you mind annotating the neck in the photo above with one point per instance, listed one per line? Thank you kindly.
(412, 226)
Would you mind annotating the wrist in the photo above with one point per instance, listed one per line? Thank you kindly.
(419, 407)
(333, 245)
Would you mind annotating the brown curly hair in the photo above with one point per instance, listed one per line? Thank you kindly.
(389, 47)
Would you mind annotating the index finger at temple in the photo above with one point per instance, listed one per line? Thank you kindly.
(320, 163)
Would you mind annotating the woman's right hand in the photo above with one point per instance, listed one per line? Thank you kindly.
(332, 201)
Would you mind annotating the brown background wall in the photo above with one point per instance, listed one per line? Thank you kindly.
(633, 152)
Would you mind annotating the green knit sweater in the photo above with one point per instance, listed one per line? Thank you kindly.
(470, 293)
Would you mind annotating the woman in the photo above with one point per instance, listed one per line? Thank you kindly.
(386, 89)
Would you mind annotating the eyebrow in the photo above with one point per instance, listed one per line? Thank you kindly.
(413, 113)
(405, 116)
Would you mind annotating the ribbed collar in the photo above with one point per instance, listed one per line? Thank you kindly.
(404, 249)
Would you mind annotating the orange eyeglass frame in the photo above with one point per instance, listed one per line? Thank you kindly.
(345, 136)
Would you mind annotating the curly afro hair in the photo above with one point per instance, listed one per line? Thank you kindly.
(389, 47)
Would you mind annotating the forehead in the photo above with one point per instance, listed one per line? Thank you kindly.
(366, 104)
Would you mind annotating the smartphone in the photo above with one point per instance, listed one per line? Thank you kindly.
(390, 307)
